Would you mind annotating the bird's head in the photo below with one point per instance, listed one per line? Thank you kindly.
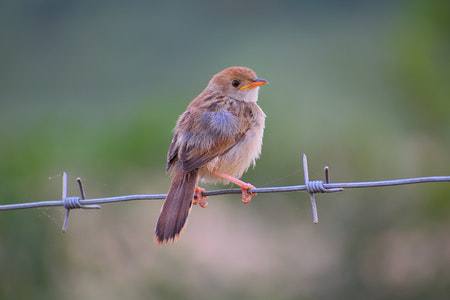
(240, 83)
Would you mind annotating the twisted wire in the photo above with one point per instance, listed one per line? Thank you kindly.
(316, 186)
(72, 203)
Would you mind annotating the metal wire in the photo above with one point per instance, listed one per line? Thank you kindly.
(311, 186)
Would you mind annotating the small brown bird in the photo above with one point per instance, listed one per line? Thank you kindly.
(215, 140)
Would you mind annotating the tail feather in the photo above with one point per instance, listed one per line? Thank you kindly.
(176, 207)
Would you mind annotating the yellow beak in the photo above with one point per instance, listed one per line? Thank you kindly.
(255, 83)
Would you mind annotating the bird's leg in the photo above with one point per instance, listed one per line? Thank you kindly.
(199, 198)
(245, 187)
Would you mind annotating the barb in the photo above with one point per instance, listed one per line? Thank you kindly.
(317, 186)
(73, 202)
(312, 187)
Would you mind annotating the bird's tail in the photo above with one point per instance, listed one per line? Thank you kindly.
(176, 207)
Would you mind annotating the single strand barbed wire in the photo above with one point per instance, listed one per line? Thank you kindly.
(262, 190)
(312, 187)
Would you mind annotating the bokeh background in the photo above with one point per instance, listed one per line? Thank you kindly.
(95, 87)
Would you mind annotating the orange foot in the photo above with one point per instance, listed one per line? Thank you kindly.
(199, 198)
(247, 196)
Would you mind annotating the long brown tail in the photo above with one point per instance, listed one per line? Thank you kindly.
(176, 207)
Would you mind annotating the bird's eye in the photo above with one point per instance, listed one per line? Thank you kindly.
(235, 83)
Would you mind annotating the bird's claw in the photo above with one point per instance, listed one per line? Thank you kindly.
(199, 198)
(247, 195)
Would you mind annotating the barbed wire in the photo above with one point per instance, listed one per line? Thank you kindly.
(312, 187)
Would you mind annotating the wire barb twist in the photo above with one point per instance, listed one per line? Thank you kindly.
(316, 186)
(73, 202)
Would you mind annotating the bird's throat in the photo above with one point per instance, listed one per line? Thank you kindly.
(252, 95)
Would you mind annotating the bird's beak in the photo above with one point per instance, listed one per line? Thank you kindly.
(255, 83)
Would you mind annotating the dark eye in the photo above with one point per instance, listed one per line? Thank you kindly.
(235, 83)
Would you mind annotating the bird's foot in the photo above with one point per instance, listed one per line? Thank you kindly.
(199, 198)
(247, 195)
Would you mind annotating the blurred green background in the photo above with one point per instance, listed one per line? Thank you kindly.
(95, 88)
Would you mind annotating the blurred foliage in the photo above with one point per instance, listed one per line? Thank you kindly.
(94, 88)
(424, 65)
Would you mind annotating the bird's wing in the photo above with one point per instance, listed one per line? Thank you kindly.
(202, 135)
(173, 152)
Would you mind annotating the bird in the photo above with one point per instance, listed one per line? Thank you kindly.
(215, 140)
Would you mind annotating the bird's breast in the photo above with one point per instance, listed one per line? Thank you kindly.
(244, 154)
